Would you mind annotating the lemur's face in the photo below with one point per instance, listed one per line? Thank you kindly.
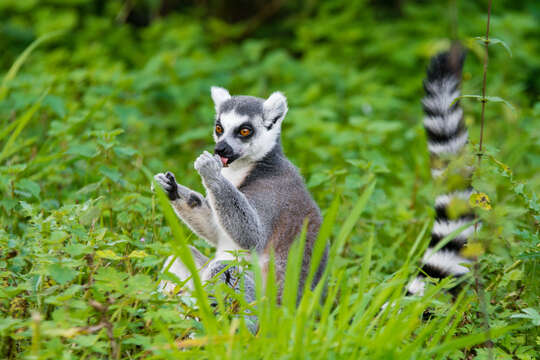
(246, 127)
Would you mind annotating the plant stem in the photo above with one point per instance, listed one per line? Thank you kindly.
(476, 271)
(484, 100)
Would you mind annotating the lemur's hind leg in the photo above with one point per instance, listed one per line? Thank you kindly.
(240, 281)
(181, 271)
(190, 206)
(208, 269)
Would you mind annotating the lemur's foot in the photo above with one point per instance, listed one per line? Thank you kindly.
(168, 183)
(208, 165)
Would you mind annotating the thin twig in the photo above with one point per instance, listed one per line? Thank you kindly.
(102, 308)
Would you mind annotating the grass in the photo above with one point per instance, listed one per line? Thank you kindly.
(89, 113)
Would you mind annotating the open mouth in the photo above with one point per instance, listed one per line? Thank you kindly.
(224, 161)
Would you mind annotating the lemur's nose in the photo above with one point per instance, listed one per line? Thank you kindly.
(223, 149)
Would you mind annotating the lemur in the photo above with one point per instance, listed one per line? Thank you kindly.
(447, 136)
(255, 197)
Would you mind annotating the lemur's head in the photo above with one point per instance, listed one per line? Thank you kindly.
(246, 127)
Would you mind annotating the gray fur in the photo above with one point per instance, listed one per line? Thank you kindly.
(197, 217)
(259, 202)
(244, 105)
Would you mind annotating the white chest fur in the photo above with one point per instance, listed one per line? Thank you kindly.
(236, 174)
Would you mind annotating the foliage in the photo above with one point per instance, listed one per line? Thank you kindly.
(99, 102)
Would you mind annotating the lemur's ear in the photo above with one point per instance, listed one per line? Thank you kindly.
(219, 95)
(274, 109)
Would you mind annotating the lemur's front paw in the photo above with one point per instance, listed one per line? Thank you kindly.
(168, 183)
(208, 165)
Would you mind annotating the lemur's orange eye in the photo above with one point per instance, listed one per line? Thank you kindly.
(219, 129)
(245, 131)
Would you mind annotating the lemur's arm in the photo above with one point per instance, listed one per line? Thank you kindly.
(235, 214)
(191, 207)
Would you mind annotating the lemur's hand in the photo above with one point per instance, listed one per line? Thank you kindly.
(209, 166)
(168, 183)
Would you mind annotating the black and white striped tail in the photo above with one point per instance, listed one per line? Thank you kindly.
(447, 136)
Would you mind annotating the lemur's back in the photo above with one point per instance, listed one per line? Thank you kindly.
(285, 204)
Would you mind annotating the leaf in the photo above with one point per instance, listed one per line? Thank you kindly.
(317, 179)
(529, 313)
(76, 250)
(487, 99)
(138, 254)
(107, 254)
(88, 150)
(500, 99)
(29, 186)
(62, 274)
(112, 174)
(480, 200)
(125, 151)
(472, 250)
(494, 41)
(56, 104)
(58, 237)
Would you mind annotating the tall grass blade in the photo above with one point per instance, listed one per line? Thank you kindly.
(21, 122)
(12, 72)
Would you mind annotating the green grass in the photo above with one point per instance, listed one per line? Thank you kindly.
(91, 107)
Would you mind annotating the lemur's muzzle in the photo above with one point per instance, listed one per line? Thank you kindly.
(225, 152)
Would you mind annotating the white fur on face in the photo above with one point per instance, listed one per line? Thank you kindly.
(257, 146)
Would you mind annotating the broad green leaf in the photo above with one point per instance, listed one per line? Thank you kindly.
(29, 186)
(61, 274)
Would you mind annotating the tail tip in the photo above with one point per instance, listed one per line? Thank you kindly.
(447, 63)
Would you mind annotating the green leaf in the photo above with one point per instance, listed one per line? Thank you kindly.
(88, 150)
(112, 174)
(125, 151)
(107, 254)
(58, 237)
(488, 99)
(56, 104)
(499, 99)
(29, 186)
(494, 41)
(529, 313)
(138, 254)
(61, 274)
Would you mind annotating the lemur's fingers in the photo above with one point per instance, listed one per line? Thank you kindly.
(168, 184)
(208, 164)
(171, 177)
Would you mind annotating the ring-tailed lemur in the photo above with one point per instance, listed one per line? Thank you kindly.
(256, 199)
(447, 136)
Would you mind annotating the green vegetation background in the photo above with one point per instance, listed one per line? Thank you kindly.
(123, 87)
